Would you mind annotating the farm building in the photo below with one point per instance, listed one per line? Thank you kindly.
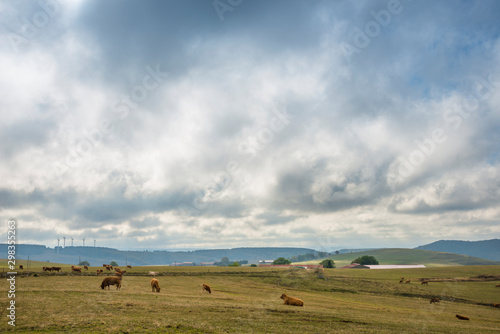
(305, 266)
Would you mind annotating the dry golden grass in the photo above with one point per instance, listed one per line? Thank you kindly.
(247, 300)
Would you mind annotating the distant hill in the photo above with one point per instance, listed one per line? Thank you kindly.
(411, 256)
(100, 255)
(486, 249)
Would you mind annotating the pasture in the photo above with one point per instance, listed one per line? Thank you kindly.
(247, 300)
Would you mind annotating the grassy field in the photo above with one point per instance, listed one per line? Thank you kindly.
(246, 300)
(410, 256)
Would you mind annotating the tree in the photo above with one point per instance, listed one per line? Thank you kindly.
(281, 260)
(365, 259)
(337, 252)
(224, 261)
(234, 264)
(253, 265)
(114, 264)
(328, 263)
(84, 263)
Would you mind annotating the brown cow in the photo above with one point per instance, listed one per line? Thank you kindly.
(291, 301)
(76, 269)
(401, 281)
(112, 280)
(118, 270)
(86, 267)
(424, 282)
(56, 268)
(496, 305)
(461, 317)
(408, 281)
(434, 300)
(99, 271)
(155, 285)
(129, 267)
(205, 287)
(104, 265)
(21, 266)
(108, 267)
(497, 286)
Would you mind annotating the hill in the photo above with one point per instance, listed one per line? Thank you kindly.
(100, 255)
(411, 256)
(486, 249)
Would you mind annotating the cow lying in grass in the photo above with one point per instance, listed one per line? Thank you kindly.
(425, 282)
(434, 300)
(112, 280)
(155, 285)
(461, 317)
(408, 281)
(291, 301)
(205, 287)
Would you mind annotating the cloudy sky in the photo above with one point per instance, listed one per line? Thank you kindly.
(228, 123)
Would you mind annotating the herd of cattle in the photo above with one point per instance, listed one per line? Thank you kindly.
(155, 284)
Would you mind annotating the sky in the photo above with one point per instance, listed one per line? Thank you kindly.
(202, 124)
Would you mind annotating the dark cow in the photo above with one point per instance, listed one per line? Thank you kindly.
(21, 267)
(434, 300)
(425, 282)
(56, 269)
(205, 287)
(129, 267)
(461, 317)
(112, 280)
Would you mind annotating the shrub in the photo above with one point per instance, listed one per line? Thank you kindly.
(281, 260)
(365, 259)
(328, 263)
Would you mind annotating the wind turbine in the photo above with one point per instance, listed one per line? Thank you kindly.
(72, 241)
(83, 241)
(64, 241)
(58, 241)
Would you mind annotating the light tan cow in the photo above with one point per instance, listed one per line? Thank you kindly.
(155, 285)
(291, 301)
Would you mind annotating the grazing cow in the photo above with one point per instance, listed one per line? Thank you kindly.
(434, 300)
(408, 281)
(129, 267)
(123, 271)
(45, 268)
(155, 285)
(21, 266)
(76, 269)
(424, 282)
(118, 270)
(496, 305)
(99, 271)
(104, 265)
(402, 278)
(108, 267)
(153, 273)
(291, 301)
(205, 287)
(56, 268)
(461, 317)
(112, 280)
(86, 267)
(497, 286)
